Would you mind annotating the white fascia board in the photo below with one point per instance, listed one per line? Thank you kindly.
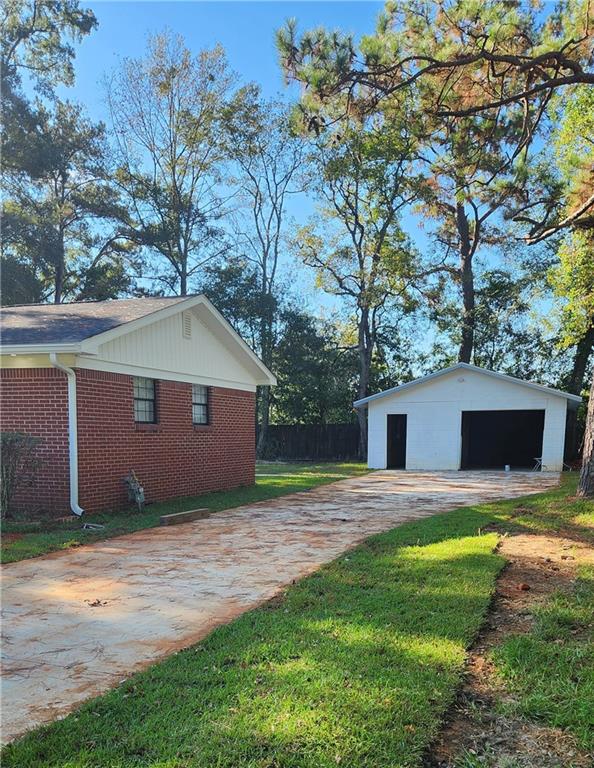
(267, 377)
(40, 349)
(529, 384)
(401, 387)
(466, 366)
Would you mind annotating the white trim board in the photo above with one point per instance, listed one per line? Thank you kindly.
(94, 364)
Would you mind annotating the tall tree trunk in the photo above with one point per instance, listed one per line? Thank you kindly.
(362, 419)
(467, 283)
(365, 350)
(183, 282)
(586, 487)
(580, 362)
(264, 421)
(266, 356)
(59, 275)
(574, 384)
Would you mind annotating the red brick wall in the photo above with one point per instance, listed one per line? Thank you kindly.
(35, 401)
(171, 458)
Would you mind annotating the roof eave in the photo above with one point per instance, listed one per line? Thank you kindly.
(91, 344)
(40, 349)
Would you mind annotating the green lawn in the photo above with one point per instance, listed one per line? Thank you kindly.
(21, 539)
(353, 666)
(551, 669)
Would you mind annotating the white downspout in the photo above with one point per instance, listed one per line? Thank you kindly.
(72, 433)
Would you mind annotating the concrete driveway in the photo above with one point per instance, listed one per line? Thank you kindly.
(76, 623)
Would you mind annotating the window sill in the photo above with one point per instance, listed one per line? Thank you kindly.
(202, 427)
(141, 426)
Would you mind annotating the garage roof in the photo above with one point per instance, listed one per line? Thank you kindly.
(468, 367)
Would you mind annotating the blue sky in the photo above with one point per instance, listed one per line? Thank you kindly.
(245, 29)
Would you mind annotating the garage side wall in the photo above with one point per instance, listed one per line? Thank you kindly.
(172, 457)
(434, 418)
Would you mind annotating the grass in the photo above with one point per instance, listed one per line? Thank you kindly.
(556, 511)
(22, 539)
(551, 669)
(355, 665)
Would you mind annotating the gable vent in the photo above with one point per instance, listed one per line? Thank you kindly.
(187, 325)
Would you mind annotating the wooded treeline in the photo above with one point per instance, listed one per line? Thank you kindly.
(449, 156)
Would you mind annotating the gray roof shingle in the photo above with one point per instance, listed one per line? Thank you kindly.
(71, 323)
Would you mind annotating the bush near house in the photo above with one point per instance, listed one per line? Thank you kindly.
(18, 464)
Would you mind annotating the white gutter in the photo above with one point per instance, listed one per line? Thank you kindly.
(39, 349)
(72, 433)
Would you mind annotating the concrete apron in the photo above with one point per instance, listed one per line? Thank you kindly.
(78, 622)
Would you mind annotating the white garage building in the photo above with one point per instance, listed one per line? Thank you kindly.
(465, 417)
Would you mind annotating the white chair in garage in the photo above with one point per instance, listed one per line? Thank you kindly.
(540, 467)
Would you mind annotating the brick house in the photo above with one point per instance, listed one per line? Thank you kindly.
(161, 386)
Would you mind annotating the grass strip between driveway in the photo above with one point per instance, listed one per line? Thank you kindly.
(354, 666)
(550, 670)
(22, 539)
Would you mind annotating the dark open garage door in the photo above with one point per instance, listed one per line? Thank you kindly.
(492, 439)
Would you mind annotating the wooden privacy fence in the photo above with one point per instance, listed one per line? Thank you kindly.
(312, 442)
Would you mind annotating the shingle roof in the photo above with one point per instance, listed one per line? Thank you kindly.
(71, 323)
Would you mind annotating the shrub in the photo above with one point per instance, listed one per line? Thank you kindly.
(18, 465)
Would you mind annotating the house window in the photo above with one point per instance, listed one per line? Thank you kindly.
(144, 400)
(199, 404)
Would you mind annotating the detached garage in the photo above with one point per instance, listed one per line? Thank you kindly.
(465, 417)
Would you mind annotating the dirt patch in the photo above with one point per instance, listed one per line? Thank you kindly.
(476, 734)
(7, 538)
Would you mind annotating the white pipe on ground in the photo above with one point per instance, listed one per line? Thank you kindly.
(72, 433)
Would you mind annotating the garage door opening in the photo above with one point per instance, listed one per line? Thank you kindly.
(492, 439)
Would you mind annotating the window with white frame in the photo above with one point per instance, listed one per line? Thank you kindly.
(199, 404)
(145, 409)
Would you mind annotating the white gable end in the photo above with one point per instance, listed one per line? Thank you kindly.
(189, 345)
(472, 387)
